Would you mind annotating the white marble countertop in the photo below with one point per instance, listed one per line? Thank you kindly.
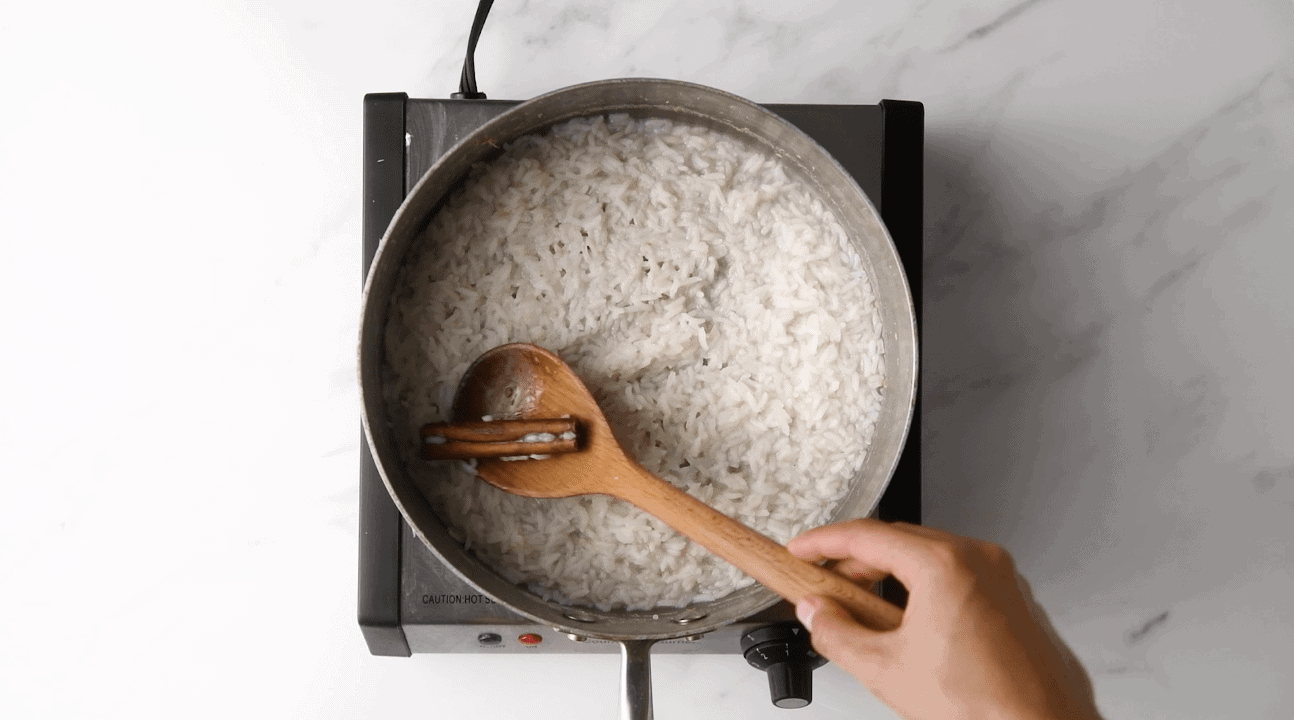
(1109, 205)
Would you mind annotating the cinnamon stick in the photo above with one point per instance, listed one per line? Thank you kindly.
(499, 438)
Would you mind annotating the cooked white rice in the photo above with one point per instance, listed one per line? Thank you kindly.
(711, 303)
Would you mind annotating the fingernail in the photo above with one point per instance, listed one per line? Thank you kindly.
(806, 609)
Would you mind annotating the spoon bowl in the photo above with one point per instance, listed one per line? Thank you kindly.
(522, 381)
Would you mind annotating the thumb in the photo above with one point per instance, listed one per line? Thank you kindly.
(839, 638)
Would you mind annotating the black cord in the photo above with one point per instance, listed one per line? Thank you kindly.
(467, 83)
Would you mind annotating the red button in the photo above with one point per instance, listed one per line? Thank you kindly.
(529, 639)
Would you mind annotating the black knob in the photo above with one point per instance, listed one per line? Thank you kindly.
(784, 652)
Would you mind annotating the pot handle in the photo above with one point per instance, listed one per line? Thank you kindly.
(635, 679)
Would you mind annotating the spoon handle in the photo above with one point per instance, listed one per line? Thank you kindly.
(758, 556)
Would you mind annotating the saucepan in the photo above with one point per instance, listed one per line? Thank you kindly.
(682, 102)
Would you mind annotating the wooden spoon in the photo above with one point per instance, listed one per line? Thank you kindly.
(525, 381)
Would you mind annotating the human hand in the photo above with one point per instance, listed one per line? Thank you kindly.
(972, 644)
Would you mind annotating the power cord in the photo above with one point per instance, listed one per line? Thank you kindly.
(467, 83)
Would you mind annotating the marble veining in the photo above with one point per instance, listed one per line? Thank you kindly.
(988, 28)
(1139, 634)
(1108, 325)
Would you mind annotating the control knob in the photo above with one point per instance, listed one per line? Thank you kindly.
(784, 652)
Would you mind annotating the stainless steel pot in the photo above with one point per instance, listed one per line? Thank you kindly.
(689, 103)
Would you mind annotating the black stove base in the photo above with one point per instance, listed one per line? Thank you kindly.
(408, 601)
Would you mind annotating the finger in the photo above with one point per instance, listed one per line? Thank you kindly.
(897, 550)
(823, 541)
(924, 531)
(858, 571)
(839, 638)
